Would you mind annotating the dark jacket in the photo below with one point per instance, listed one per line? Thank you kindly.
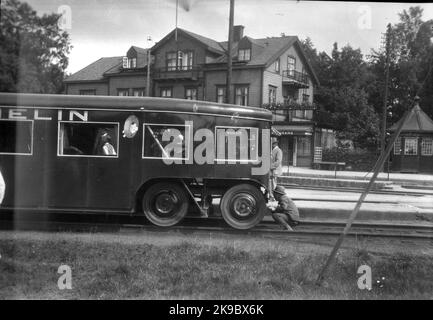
(287, 206)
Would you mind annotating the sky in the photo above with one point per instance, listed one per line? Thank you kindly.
(106, 28)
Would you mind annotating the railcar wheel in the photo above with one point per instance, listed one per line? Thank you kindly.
(165, 204)
(243, 206)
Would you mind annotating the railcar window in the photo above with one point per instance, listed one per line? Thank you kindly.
(165, 141)
(16, 137)
(91, 139)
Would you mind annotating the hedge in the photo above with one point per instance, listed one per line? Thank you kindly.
(356, 160)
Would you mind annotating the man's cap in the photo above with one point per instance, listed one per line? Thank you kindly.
(280, 190)
(274, 140)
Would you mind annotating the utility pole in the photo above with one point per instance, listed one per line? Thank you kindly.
(385, 98)
(148, 69)
(229, 54)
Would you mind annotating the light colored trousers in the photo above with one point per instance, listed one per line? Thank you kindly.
(2, 188)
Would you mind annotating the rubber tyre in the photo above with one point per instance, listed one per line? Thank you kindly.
(165, 204)
(243, 206)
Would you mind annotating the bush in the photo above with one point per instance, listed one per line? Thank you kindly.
(356, 160)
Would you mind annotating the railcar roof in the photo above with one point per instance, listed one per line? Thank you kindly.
(59, 101)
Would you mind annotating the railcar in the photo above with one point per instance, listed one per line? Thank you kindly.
(164, 158)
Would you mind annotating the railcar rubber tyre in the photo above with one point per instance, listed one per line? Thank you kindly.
(243, 206)
(165, 204)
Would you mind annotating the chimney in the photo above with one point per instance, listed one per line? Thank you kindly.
(238, 33)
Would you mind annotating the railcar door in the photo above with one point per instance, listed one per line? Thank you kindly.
(20, 163)
(98, 165)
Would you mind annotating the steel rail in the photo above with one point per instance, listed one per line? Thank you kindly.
(266, 228)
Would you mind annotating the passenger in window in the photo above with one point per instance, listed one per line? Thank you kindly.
(107, 147)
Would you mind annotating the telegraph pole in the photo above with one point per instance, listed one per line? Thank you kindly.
(229, 54)
(148, 69)
(385, 98)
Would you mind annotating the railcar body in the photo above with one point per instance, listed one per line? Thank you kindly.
(161, 157)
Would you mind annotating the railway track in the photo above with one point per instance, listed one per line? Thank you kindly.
(357, 190)
(138, 224)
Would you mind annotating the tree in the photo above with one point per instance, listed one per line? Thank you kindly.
(410, 62)
(33, 52)
(341, 97)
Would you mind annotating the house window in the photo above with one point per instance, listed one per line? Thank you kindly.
(171, 61)
(123, 92)
(244, 54)
(129, 63)
(90, 92)
(166, 93)
(221, 94)
(138, 92)
(304, 146)
(241, 95)
(132, 63)
(184, 60)
(191, 93)
(291, 65)
(272, 95)
(397, 146)
(427, 147)
(305, 97)
(411, 146)
(277, 65)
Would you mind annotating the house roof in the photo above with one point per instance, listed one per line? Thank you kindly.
(140, 50)
(209, 43)
(267, 50)
(418, 121)
(95, 71)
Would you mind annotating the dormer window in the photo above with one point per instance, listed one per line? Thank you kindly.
(129, 63)
(244, 55)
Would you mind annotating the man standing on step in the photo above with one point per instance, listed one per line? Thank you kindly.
(276, 165)
(2, 187)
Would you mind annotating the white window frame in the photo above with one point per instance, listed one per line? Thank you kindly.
(139, 90)
(60, 140)
(187, 140)
(223, 96)
(237, 160)
(424, 147)
(277, 65)
(191, 96)
(272, 94)
(406, 140)
(31, 138)
(397, 147)
(242, 87)
(244, 54)
(291, 67)
(166, 89)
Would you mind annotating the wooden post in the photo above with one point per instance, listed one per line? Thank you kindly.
(380, 162)
(385, 98)
(229, 98)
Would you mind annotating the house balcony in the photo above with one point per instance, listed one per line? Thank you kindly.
(177, 73)
(296, 79)
(293, 111)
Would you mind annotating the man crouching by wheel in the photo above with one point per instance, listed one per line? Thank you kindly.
(286, 212)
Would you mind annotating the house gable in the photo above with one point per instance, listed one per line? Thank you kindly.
(201, 50)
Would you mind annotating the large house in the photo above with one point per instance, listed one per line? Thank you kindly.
(271, 72)
(112, 76)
